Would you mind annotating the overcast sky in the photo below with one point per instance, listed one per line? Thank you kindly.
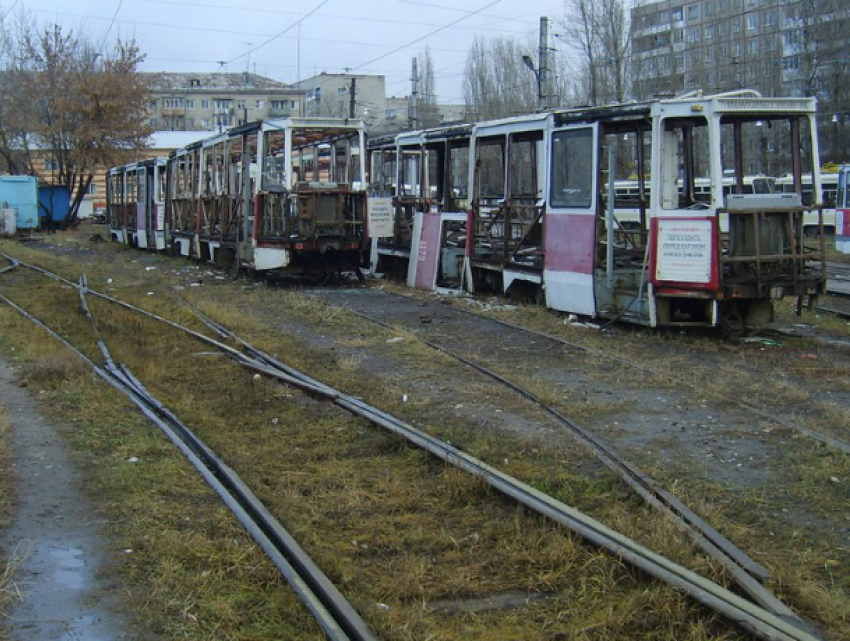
(289, 40)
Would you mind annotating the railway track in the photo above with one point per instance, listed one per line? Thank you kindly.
(757, 619)
(350, 304)
(333, 613)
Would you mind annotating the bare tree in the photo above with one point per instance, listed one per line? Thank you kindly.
(496, 81)
(70, 105)
(600, 33)
(428, 114)
(821, 66)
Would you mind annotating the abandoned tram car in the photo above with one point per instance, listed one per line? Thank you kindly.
(544, 219)
(531, 205)
(270, 195)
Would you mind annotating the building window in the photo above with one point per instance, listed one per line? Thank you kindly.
(724, 51)
(722, 29)
(709, 55)
(676, 14)
(694, 35)
(721, 6)
(240, 104)
(709, 32)
(754, 47)
(693, 12)
(294, 105)
(770, 18)
(154, 122)
(736, 50)
(190, 103)
(752, 22)
(92, 188)
(51, 164)
(223, 104)
(695, 57)
(205, 104)
(664, 17)
(152, 105)
(258, 104)
(677, 35)
(205, 123)
(279, 104)
(708, 8)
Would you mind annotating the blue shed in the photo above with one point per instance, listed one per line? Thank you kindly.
(21, 193)
(54, 202)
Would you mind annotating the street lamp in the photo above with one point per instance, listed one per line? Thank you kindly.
(530, 64)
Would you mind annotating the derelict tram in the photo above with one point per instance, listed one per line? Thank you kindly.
(529, 206)
(419, 172)
(842, 210)
(542, 217)
(135, 196)
(271, 195)
(279, 194)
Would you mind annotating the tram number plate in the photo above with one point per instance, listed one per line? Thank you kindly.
(684, 251)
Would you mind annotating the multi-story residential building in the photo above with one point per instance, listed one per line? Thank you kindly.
(216, 101)
(778, 47)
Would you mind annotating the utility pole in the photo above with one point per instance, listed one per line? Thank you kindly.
(543, 65)
(352, 93)
(414, 93)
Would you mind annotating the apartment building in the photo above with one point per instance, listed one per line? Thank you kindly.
(779, 47)
(216, 101)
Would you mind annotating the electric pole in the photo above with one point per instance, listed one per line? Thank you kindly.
(543, 65)
(351, 98)
(414, 93)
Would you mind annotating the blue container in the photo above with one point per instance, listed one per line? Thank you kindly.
(21, 193)
(54, 202)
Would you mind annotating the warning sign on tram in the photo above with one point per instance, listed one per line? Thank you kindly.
(684, 251)
(380, 214)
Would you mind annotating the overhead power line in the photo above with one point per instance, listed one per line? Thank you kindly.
(428, 35)
(289, 28)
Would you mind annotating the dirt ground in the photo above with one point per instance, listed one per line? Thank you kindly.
(63, 587)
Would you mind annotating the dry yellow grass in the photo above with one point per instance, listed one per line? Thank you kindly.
(401, 533)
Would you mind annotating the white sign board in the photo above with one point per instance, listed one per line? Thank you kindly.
(381, 218)
(684, 251)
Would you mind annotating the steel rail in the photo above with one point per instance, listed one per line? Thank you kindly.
(333, 613)
(741, 566)
(750, 616)
(592, 530)
(749, 407)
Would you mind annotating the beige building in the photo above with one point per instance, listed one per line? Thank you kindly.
(216, 101)
(330, 94)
